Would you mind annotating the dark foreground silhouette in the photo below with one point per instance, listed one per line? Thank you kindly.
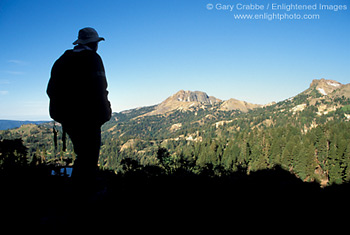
(77, 86)
(148, 200)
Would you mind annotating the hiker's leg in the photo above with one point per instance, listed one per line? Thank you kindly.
(86, 142)
(90, 151)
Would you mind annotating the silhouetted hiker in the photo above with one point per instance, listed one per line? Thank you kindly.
(78, 100)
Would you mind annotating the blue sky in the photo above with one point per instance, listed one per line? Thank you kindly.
(154, 48)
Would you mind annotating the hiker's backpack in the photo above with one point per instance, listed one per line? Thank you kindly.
(77, 89)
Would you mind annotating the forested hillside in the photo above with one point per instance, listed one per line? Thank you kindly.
(307, 135)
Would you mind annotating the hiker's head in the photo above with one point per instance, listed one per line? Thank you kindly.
(92, 45)
(89, 37)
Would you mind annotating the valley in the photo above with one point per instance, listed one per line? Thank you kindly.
(306, 135)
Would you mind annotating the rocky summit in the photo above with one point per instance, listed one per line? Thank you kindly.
(184, 100)
(325, 87)
(187, 100)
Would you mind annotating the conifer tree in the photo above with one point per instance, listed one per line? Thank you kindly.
(347, 163)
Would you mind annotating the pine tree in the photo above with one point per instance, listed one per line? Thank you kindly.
(230, 155)
(275, 152)
(287, 156)
(347, 163)
(335, 171)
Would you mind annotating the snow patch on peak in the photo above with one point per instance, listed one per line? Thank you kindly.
(331, 83)
(322, 91)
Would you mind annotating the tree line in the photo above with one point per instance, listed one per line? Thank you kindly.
(322, 154)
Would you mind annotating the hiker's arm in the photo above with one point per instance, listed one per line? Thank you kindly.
(101, 90)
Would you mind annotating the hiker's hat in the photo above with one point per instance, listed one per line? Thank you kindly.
(87, 35)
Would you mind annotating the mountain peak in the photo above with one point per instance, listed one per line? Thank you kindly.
(194, 96)
(327, 82)
(325, 86)
(183, 100)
